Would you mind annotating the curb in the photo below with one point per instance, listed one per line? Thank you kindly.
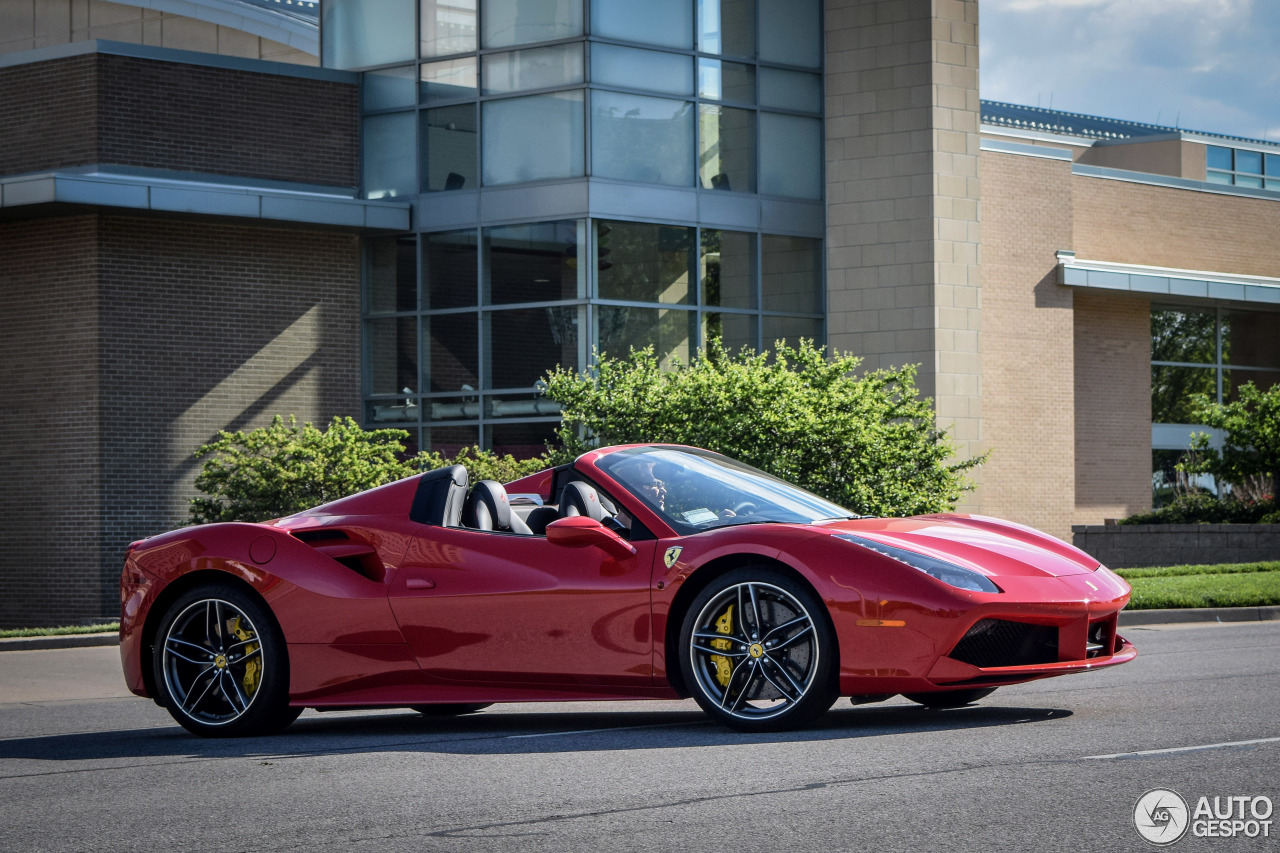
(1198, 614)
(70, 641)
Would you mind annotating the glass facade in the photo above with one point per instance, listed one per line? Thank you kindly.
(1242, 167)
(722, 97)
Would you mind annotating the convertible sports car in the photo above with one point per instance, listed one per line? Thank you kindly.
(644, 571)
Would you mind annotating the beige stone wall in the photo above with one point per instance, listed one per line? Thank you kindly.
(1171, 157)
(1113, 405)
(30, 24)
(1028, 400)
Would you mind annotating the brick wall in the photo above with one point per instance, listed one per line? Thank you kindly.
(128, 342)
(1028, 359)
(128, 111)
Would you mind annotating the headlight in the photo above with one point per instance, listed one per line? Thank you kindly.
(948, 573)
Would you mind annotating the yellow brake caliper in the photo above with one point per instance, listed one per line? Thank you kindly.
(253, 669)
(724, 625)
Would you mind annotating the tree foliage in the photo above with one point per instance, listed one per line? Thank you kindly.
(867, 442)
(484, 464)
(1251, 448)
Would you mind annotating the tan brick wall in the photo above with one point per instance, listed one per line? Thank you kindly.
(1162, 157)
(1113, 405)
(1028, 402)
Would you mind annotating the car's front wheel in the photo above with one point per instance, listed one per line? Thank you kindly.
(758, 652)
(221, 668)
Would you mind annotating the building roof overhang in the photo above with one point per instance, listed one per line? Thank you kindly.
(1166, 281)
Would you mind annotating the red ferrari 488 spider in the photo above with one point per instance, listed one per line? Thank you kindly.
(645, 571)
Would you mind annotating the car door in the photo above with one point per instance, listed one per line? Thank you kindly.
(501, 608)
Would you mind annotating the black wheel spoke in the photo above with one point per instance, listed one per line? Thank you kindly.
(190, 706)
(775, 665)
(782, 644)
(752, 671)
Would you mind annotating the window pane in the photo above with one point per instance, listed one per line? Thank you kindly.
(1172, 388)
(388, 89)
(1167, 482)
(1273, 165)
(391, 352)
(1217, 157)
(637, 138)
(666, 23)
(790, 90)
(1233, 379)
(394, 412)
(536, 68)
(639, 262)
(523, 344)
(533, 138)
(389, 155)
(726, 148)
(1218, 177)
(670, 331)
(791, 32)
(527, 404)
(1184, 335)
(449, 148)
(790, 156)
(449, 440)
(451, 343)
(459, 407)
(360, 33)
(523, 441)
(726, 81)
(1249, 161)
(449, 277)
(1248, 181)
(629, 67)
(1250, 339)
(391, 277)
(448, 26)
(728, 269)
(734, 331)
(533, 263)
(790, 330)
(792, 279)
(447, 81)
(727, 27)
(508, 22)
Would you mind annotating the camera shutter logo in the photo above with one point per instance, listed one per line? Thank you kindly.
(1161, 816)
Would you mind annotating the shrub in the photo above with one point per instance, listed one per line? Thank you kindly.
(1204, 508)
(1251, 449)
(484, 464)
(869, 442)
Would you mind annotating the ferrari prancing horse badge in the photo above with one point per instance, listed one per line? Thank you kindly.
(671, 556)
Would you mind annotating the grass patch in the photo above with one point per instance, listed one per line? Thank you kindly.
(1209, 589)
(1178, 571)
(9, 633)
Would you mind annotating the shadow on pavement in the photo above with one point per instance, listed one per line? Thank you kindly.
(504, 734)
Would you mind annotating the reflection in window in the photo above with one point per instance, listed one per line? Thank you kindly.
(388, 89)
(1241, 167)
(790, 90)
(511, 22)
(726, 81)
(451, 439)
(790, 156)
(533, 263)
(1250, 338)
(734, 331)
(670, 331)
(639, 262)
(792, 274)
(728, 269)
(449, 148)
(451, 352)
(535, 68)
(449, 270)
(726, 148)
(727, 27)
(1189, 336)
(1172, 389)
(666, 23)
(637, 138)
(522, 441)
(791, 32)
(522, 344)
(632, 68)
(390, 150)
(391, 355)
(391, 274)
(533, 138)
(448, 80)
(360, 33)
(790, 330)
(448, 27)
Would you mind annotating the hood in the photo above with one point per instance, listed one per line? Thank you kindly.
(993, 547)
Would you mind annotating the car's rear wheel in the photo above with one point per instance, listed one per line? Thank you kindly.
(950, 698)
(758, 652)
(451, 709)
(221, 668)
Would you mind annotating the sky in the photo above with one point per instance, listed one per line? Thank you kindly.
(1209, 65)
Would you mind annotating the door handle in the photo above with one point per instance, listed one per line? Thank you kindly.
(419, 583)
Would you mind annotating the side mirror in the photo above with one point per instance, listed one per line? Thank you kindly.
(581, 531)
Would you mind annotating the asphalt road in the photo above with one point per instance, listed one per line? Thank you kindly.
(1044, 766)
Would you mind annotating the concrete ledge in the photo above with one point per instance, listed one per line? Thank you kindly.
(70, 641)
(1198, 614)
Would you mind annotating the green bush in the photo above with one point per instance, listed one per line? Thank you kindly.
(869, 442)
(1251, 449)
(1204, 508)
(484, 464)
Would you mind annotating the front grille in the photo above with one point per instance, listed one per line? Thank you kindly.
(1101, 638)
(999, 642)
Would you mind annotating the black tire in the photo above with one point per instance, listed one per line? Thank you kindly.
(451, 709)
(220, 663)
(775, 669)
(950, 698)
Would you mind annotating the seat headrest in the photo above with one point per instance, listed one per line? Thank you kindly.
(580, 499)
(487, 507)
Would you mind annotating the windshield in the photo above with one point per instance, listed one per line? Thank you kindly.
(696, 490)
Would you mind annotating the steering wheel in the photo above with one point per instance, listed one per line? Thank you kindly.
(743, 508)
